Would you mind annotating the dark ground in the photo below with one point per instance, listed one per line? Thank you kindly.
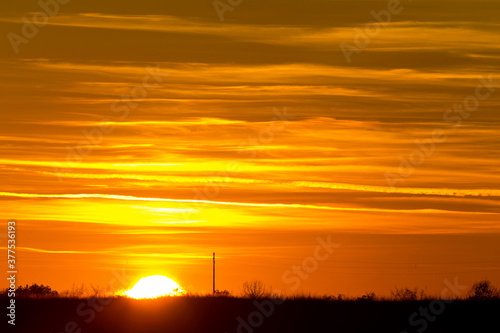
(220, 315)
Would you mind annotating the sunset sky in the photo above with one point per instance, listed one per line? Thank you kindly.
(251, 137)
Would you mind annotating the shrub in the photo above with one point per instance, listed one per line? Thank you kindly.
(223, 293)
(255, 289)
(407, 294)
(367, 297)
(35, 290)
(482, 290)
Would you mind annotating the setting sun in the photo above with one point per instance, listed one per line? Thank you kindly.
(154, 286)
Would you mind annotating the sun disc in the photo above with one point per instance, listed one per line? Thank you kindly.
(154, 286)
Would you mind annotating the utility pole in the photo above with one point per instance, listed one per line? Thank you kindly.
(214, 274)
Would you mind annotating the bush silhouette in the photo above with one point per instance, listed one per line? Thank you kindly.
(255, 289)
(407, 294)
(222, 293)
(35, 290)
(482, 290)
(367, 297)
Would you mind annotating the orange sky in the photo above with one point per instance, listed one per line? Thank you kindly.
(252, 137)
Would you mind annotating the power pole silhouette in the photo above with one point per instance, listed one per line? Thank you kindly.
(214, 275)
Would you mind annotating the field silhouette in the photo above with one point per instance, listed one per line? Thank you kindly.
(207, 314)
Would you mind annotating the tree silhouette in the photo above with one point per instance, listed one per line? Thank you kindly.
(255, 289)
